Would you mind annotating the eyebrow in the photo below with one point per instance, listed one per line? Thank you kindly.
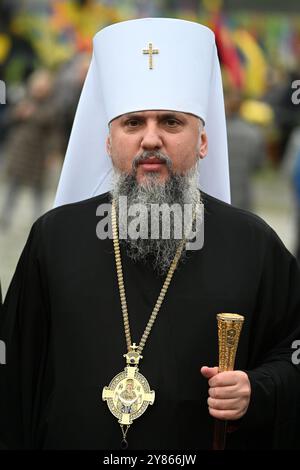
(166, 115)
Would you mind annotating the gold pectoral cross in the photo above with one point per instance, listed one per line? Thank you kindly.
(128, 395)
(150, 51)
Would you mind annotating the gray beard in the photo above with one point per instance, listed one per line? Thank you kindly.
(178, 189)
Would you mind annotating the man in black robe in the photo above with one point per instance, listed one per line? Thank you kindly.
(63, 328)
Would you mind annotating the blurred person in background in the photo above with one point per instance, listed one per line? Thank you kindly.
(31, 138)
(287, 116)
(68, 85)
(246, 150)
(291, 168)
(17, 58)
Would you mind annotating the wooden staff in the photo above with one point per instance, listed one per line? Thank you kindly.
(229, 329)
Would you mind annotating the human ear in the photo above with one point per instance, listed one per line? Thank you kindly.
(108, 145)
(202, 146)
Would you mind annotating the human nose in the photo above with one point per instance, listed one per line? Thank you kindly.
(151, 139)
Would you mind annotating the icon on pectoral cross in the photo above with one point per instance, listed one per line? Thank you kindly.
(150, 51)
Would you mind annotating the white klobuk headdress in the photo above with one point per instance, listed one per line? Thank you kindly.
(146, 64)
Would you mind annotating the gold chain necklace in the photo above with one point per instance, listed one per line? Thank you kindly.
(128, 394)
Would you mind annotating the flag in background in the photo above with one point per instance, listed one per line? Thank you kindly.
(255, 66)
(228, 53)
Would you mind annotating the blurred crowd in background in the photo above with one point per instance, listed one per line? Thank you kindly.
(45, 50)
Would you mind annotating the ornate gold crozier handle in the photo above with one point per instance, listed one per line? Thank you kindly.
(229, 329)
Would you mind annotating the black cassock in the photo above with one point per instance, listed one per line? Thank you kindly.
(63, 328)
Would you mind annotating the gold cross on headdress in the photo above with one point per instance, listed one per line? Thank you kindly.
(150, 51)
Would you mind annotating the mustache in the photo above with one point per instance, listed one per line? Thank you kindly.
(152, 153)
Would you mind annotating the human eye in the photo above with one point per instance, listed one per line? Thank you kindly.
(172, 122)
(132, 123)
